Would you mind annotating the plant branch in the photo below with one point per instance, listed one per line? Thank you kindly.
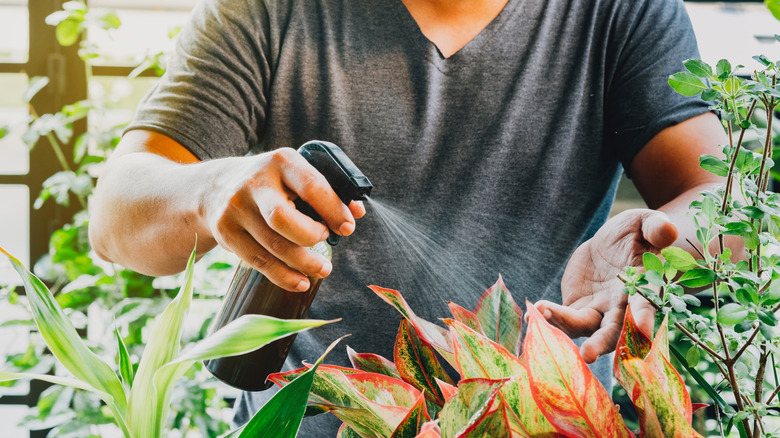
(747, 343)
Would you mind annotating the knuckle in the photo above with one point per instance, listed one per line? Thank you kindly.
(278, 217)
(262, 261)
(277, 244)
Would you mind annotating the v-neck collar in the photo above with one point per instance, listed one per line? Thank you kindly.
(416, 37)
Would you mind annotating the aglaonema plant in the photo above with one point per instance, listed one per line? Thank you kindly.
(139, 400)
(737, 329)
(547, 391)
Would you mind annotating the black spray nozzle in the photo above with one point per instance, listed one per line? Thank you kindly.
(344, 177)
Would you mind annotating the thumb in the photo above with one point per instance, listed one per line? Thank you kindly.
(658, 230)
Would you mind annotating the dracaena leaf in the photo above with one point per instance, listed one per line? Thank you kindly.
(466, 317)
(417, 363)
(372, 363)
(469, 406)
(563, 386)
(479, 357)
(500, 317)
(431, 333)
(634, 342)
(65, 343)
(657, 411)
(412, 424)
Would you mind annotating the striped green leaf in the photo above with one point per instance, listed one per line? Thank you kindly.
(412, 424)
(469, 406)
(66, 344)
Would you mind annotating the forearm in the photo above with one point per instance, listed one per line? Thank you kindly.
(146, 212)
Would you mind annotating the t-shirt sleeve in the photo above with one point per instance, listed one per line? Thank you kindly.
(212, 98)
(651, 41)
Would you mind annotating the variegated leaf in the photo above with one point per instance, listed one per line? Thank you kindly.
(466, 317)
(473, 401)
(347, 432)
(500, 317)
(372, 363)
(371, 404)
(430, 430)
(658, 362)
(478, 356)
(417, 363)
(431, 333)
(412, 424)
(635, 342)
(657, 411)
(494, 425)
(447, 390)
(563, 386)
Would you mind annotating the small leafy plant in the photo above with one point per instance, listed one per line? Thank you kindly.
(547, 391)
(139, 400)
(733, 322)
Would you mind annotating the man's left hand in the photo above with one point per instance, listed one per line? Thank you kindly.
(593, 300)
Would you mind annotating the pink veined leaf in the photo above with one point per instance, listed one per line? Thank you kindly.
(371, 404)
(347, 432)
(417, 363)
(635, 342)
(658, 362)
(431, 333)
(494, 424)
(412, 424)
(500, 317)
(563, 386)
(447, 390)
(430, 430)
(479, 357)
(372, 363)
(657, 410)
(469, 406)
(466, 317)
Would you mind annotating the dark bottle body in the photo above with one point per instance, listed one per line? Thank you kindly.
(250, 292)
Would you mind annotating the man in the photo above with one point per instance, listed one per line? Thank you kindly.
(503, 122)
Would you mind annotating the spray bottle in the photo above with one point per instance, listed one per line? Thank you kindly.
(250, 292)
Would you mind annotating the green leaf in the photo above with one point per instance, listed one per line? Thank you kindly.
(698, 67)
(698, 277)
(125, 365)
(65, 343)
(687, 84)
(469, 406)
(68, 31)
(417, 363)
(654, 278)
(693, 355)
(732, 313)
(774, 8)
(714, 165)
(651, 262)
(281, 415)
(372, 363)
(680, 259)
(723, 69)
(710, 95)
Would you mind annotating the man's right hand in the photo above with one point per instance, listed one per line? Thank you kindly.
(152, 200)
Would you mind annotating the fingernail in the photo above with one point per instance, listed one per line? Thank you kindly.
(346, 228)
(303, 285)
(326, 268)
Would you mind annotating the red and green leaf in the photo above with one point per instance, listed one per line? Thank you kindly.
(417, 363)
(347, 432)
(466, 317)
(412, 424)
(500, 317)
(372, 363)
(431, 333)
(430, 430)
(469, 406)
(563, 386)
(657, 409)
(447, 390)
(478, 356)
(657, 361)
(634, 342)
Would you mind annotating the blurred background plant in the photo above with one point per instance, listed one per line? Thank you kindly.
(100, 297)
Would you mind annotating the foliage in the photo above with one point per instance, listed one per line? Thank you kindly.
(114, 300)
(736, 327)
(548, 390)
(139, 402)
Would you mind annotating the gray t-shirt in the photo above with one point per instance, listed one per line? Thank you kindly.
(507, 154)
